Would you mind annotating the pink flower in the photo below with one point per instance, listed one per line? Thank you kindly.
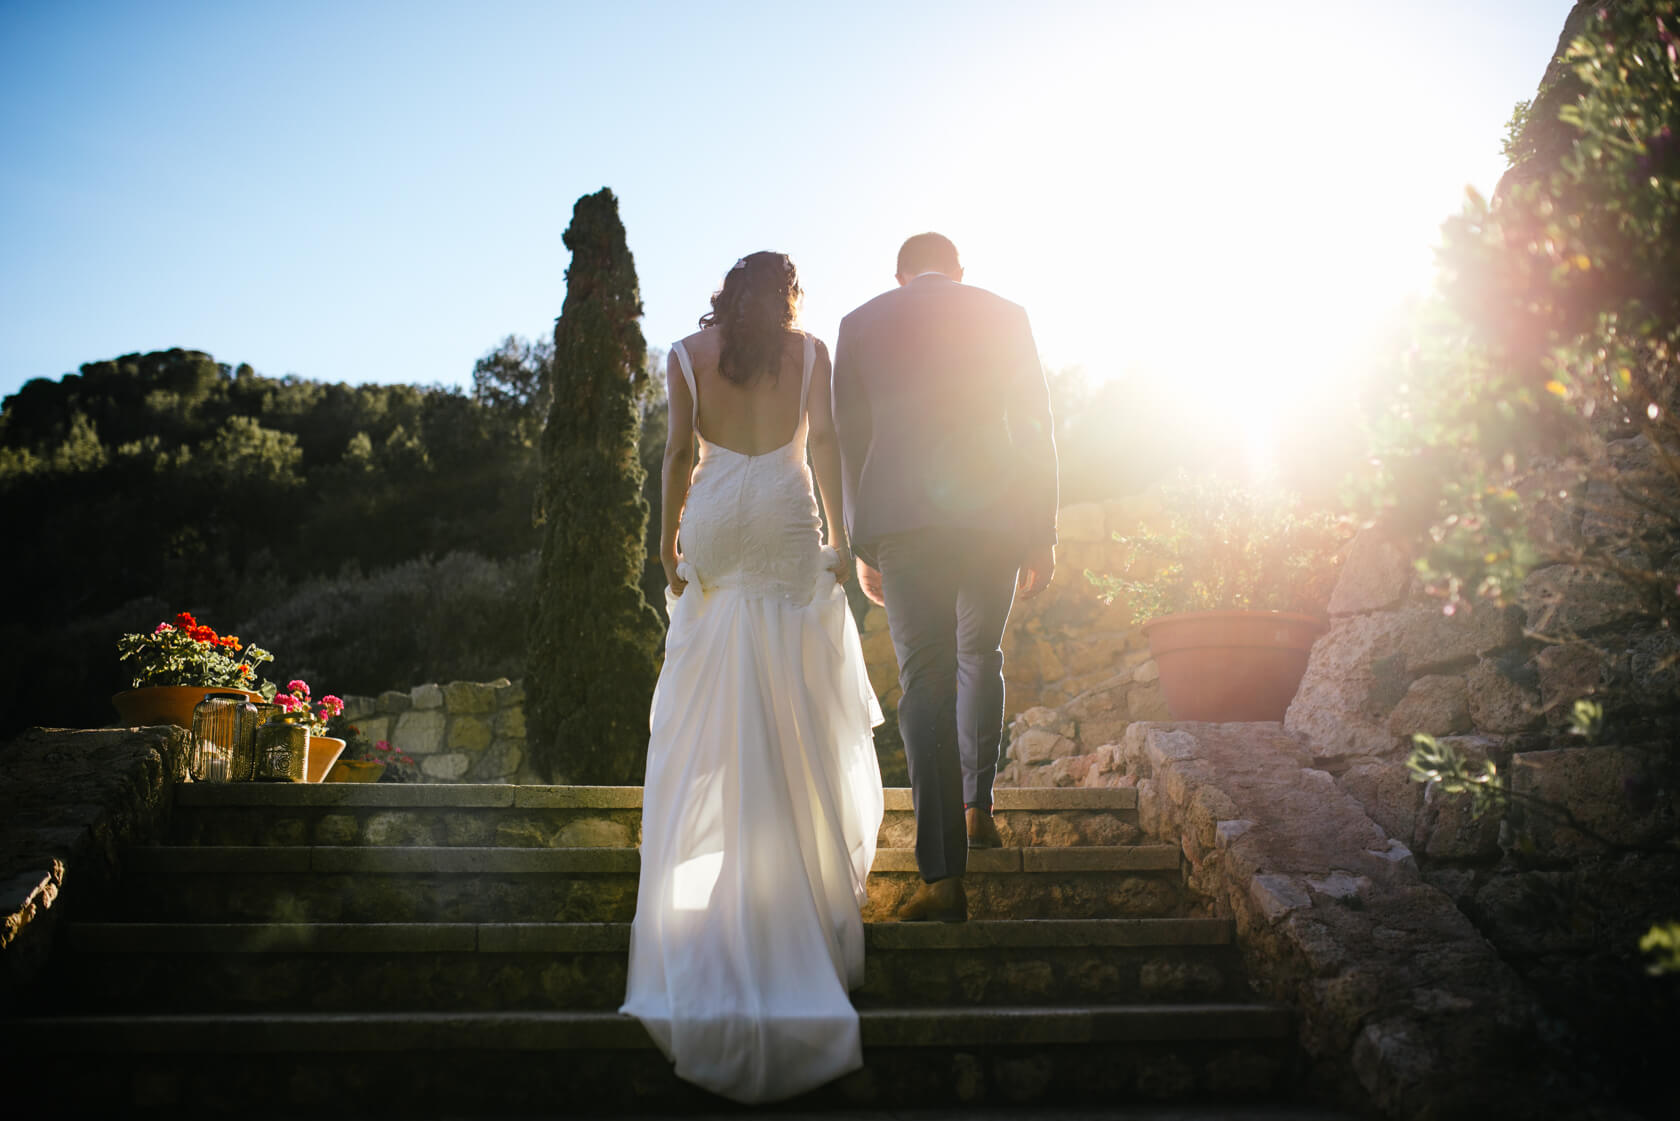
(287, 702)
(163, 628)
(382, 745)
(332, 704)
(301, 688)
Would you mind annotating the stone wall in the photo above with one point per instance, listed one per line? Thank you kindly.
(465, 731)
(1405, 1010)
(72, 803)
(1588, 857)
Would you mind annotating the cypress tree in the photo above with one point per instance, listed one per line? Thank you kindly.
(593, 639)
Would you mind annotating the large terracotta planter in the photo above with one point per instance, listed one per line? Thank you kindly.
(356, 770)
(1228, 666)
(323, 753)
(166, 704)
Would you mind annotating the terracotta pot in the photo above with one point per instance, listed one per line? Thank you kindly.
(1229, 666)
(166, 704)
(356, 770)
(323, 753)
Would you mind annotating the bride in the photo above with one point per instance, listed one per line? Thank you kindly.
(763, 797)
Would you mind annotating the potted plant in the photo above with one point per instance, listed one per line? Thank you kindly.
(367, 760)
(176, 663)
(1231, 590)
(324, 749)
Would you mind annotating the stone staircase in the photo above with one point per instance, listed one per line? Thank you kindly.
(356, 950)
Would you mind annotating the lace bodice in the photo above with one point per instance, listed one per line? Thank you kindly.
(751, 520)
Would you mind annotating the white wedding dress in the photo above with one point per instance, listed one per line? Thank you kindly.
(763, 796)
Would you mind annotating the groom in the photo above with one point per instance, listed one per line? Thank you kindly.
(943, 417)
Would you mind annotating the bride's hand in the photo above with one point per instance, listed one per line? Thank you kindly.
(677, 582)
(842, 566)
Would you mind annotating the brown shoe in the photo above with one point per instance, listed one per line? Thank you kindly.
(982, 830)
(941, 901)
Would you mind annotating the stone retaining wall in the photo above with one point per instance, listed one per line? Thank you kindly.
(1404, 1007)
(72, 803)
(465, 731)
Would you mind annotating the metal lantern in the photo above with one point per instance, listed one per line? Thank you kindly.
(282, 748)
(224, 732)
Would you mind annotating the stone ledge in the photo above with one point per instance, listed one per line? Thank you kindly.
(324, 795)
(72, 803)
(1084, 858)
(393, 795)
(120, 938)
(281, 1033)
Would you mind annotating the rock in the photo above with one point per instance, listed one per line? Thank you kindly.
(1147, 702)
(501, 762)
(1617, 792)
(1345, 693)
(1226, 833)
(427, 696)
(356, 707)
(1436, 705)
(1568, 673)
(375, 728)
(1276, 896)
(1388, 794)
(419, 733)
(594, 832)
(469, 733)
(446, 767)
(1619, 507)
(1339, 885)
(1434, 640)
(1565, 600)
(1100, 715)
(509, 722)
(1070, 770)
(1449, 829)
(1375, 575)
(1146, 672)
(393, 701)
(468, 696)
(509, 692)
(1503, 698)
(1038, 746)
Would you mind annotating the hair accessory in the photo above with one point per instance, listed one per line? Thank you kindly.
(741, 264)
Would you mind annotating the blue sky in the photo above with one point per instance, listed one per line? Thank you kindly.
(362, 191)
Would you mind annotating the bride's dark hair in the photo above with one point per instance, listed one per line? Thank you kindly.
(758, 302)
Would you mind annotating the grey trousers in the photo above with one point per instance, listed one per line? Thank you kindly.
(948, 596)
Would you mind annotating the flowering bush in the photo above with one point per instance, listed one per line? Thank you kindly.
(296, 704)
(400, 766)
(1225, 548)
(186, 652)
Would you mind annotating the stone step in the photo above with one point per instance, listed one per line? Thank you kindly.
(581, 966)
(523, 1063)
(270, 883)
(566, 816)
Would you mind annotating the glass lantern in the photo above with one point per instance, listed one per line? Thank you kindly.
(224, 732)
(282, 748)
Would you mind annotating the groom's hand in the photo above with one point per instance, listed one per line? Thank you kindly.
(1036, 571)
(870, 579)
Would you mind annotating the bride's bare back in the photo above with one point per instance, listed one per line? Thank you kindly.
(757, 417)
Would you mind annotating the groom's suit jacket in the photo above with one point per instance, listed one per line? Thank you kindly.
(943, 416)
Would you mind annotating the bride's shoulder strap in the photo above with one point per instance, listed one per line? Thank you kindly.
(688, 375)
